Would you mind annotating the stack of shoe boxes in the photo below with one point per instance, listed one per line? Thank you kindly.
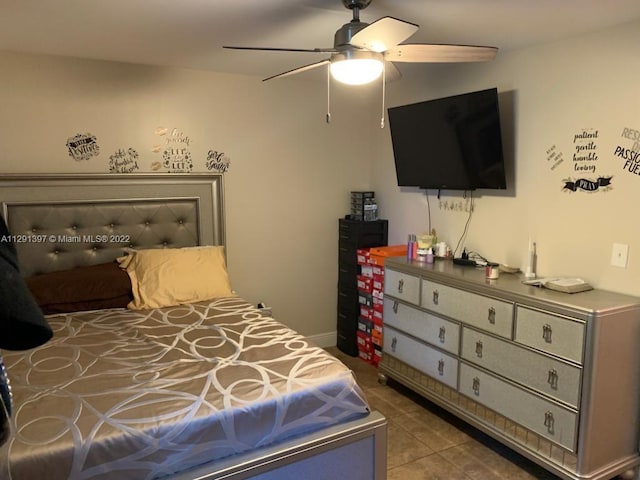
(371, 299)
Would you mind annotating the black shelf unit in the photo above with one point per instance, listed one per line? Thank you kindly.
(353, 234)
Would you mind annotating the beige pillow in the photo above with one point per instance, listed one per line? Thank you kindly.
(175, 276)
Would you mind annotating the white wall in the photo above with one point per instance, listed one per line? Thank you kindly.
(548, 94)
(290, 173)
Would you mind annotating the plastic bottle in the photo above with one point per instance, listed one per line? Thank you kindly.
(412, 247)
(430, 255)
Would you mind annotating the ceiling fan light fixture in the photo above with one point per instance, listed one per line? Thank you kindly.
(356, 67)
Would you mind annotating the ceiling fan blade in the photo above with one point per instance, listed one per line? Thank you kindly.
(433, 53)
(383, 34)
(277, 49)
(295, 71)
(391, 72)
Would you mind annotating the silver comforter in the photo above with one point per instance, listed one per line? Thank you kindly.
(143, 394)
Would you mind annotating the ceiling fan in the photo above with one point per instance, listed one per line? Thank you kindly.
(361, 52)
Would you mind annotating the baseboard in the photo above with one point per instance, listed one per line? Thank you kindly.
(325, 340)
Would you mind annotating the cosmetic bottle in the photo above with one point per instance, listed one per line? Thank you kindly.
(430, 255)
(412, 247)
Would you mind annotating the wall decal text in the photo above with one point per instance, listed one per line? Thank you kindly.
(83, 146)
(631, 156)
(585, 155)
(177, 160)
(217, 161)
(632, 134)
(176, 156)
(602, 184)
(124, 161)
(554, 157)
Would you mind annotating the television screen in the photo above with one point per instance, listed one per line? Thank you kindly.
(451, 143)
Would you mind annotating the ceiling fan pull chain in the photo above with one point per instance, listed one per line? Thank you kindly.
(328, 95)
(384, 86)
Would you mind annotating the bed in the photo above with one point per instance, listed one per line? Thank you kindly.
(176, 386)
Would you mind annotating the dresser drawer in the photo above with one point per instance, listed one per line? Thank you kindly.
(425, 326)
(557, 335)
(431, 361)
(540, 372)
(403, 286)
(489, 314)
(542, 416)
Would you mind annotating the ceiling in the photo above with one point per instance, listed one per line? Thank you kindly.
(190, 33)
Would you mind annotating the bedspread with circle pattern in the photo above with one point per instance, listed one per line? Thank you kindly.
(144, 394)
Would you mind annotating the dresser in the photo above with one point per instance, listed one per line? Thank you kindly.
(352, 235)
(554, 376)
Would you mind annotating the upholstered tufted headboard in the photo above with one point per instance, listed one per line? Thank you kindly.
(61, 222)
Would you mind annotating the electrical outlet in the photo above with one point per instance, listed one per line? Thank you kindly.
(619, 255)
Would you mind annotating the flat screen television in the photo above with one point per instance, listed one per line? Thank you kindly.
(451, 143)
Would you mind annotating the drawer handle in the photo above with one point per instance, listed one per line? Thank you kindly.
(479, 348)
(549, 421)
(394, 342)
(546, 332)
(492, 315)
(441, 367)
(395, 307)
(441, 334)
(436, 296)
(552, 378)
(400, 285)
(476, 385)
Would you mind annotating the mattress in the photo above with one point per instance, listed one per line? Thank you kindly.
(144, 394)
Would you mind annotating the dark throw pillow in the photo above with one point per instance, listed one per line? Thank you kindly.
(92, 287)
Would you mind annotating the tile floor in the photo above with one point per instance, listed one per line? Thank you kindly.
(427, 443)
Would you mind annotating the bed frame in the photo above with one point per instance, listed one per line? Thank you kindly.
(60, 222)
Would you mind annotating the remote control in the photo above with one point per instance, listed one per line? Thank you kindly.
(465, 261)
